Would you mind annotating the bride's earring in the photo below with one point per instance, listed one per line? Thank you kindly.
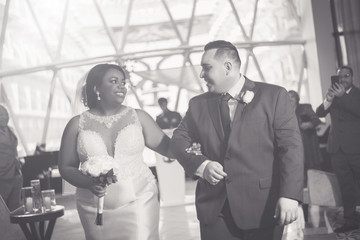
(98, 96)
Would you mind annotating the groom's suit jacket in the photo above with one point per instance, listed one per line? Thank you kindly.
(263, 157)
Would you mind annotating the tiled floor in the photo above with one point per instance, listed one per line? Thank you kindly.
(180, 222)
(176, 223)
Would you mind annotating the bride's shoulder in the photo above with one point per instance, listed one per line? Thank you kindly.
(140, 113)
(143, 116)
(73, 123)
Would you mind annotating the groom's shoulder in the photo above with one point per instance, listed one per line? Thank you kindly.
(202, 97)
(269, 88)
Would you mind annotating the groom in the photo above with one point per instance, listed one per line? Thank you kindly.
(251, 161)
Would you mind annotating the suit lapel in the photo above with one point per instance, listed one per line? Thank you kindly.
(214, 110)
(241, 107)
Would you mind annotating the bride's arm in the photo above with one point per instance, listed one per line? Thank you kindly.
(155, 138)
(69, 161)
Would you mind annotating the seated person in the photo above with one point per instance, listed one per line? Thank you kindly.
(168, 119)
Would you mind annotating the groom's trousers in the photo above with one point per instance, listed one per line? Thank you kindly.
(224, 228)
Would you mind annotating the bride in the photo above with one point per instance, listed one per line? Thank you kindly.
(109, 128)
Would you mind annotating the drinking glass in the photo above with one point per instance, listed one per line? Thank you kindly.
(26, 199)
(36, 194)
(48, 199)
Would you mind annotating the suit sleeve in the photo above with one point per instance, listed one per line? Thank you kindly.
(314, 119)
(321, 112)
(288, 149)
(351, 103)
(184, 136)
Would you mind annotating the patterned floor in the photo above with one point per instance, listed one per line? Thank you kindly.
(180, 222)
(336, 219)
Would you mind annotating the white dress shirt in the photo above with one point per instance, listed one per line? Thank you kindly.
(234, 93)
(327, 104)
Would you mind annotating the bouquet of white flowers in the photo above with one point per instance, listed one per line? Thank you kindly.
(104, 169)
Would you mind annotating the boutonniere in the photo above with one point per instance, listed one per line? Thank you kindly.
(247, 97)
(194, 149)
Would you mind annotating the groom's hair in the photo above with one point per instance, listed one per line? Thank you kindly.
(224, 49)
(94, 79)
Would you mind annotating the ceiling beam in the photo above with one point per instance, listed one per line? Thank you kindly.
(3, 30)
(140, 55)
(108, 30)
(126, 27)
(173, 22)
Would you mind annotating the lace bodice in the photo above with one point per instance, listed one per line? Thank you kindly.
(119, 136)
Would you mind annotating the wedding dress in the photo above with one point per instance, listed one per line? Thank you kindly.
(131, 206)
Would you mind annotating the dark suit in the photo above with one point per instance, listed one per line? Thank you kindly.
(263, 158)
(168, 120)
(343, 145)
(312, 154)
(11, 179)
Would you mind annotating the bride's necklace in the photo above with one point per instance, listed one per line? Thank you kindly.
(108, 120)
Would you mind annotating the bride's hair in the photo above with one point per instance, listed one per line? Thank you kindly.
(94, 79)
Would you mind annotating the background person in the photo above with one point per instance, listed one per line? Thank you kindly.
(308, 122)
(11, 179)
(342, 101)
(167, 119)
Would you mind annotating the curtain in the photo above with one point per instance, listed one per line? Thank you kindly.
(348, 18)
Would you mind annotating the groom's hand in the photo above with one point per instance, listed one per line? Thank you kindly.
(214, 172)
(286, 210)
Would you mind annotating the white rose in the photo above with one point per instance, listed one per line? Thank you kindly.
(116, 170)
(84, 167)
(94, 170)
(107, 165)
(248, 97)
(92, 166)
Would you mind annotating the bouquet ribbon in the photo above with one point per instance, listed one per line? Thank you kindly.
(100, 208)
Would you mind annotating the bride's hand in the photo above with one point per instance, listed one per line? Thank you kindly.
(98, 190)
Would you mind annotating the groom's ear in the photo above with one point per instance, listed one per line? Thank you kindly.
(228, 66)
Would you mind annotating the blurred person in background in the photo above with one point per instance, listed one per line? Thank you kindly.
(40, 149)
(342, 101)
(308, 122)
(167, 119)
(11, 179)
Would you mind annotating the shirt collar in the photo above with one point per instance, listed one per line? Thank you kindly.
(348, 91)
(235, 90)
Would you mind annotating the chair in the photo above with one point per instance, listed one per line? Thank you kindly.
(324, 189)
(9, 231)
(323, 196)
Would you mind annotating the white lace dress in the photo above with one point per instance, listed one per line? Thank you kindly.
(131, 207)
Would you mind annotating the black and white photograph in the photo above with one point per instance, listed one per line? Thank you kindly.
(180, 119)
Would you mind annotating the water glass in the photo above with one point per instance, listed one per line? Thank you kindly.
(48, 199)
(26, 199)
(36, 194)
